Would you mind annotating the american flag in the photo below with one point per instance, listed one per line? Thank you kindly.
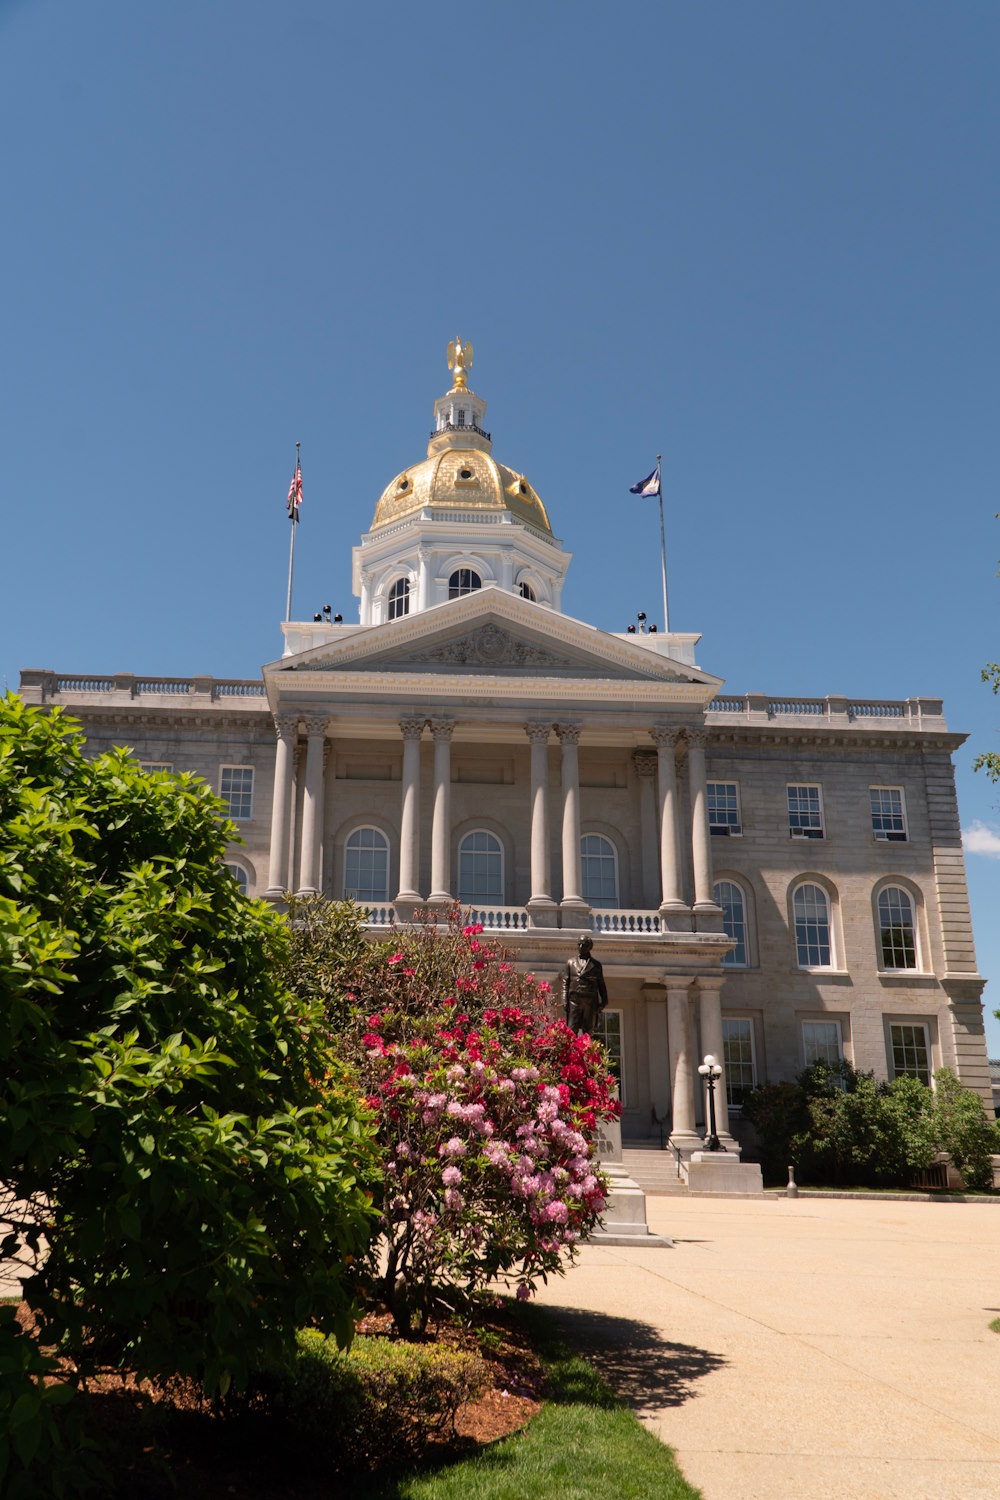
(295, 494)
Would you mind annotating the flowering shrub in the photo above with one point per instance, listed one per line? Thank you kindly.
(487, 1107)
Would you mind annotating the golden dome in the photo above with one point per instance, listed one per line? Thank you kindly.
(460, 479)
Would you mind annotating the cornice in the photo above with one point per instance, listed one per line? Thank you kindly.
(842, 739)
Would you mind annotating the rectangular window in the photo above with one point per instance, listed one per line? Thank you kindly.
(888, 814)
(724, 809)
(805, 811)
(821, 1043)
(236, 791)
(609, 1031)
(156, 765)
(910, 1052)
(738, 1057)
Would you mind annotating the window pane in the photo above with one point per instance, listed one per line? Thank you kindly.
(480, 870)
(888, 821)
(723, 807)
(240, 876)
(729, 896)
(399, 599)
(737, 1055)
(366, 867)
(804, 812)
(812, 927)
(609, 1031)
(896, 932)
(599, 868)
(910, 1052)
(463, 581)
(236, 790)
(821, 1043)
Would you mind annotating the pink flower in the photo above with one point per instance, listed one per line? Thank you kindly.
(454, 1147)
(397, 958)
(523, 1292)
(557, 1213)
(453, 1200)
(450, 1176)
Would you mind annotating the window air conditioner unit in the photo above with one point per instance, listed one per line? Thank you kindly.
(801, 833)
(721, 830)
(882, 836)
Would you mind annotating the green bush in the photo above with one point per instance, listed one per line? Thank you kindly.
(170, 1115)
(378, 1402)
(843, 1128)
(963, 1129)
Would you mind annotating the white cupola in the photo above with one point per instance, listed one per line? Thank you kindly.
(457, 521)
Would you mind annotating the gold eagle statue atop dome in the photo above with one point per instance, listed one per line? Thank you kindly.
(459, 360)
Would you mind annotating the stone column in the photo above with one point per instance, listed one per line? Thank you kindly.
(572, 898)
(366, 597)
(285, 727)
(441, 827)
(710, 1016)
(409, 823)
(708, 916)
(645, 767)
(541, 907)
(658, 1051)
(423, 578)
(682, 1132)
(675, 915)
(312, 808)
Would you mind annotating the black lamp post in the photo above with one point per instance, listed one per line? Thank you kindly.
(711, 1071)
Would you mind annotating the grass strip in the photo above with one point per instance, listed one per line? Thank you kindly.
(583, 1445)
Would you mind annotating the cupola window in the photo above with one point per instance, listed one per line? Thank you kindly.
(461, 416)
(527, 592)
(399, 599)
(463, 581)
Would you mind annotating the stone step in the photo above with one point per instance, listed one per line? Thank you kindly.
(654, 1170)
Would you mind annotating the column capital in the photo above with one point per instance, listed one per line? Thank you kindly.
(442, 729)
(644, 762)
(316, 724)
(538, 734)
(710, 984)
(285, 725)
(569, 734)
(697, 739)
(412, 729)
(663, 738)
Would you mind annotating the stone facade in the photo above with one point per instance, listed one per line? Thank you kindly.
(768, 880)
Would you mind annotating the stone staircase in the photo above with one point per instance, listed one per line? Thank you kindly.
(653, 1169)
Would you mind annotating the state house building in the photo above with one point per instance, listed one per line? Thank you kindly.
(773, 880)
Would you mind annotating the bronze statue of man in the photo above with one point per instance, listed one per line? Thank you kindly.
(584, 992)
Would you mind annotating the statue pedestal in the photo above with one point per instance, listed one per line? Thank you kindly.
(623, 1221)
(723, 1172)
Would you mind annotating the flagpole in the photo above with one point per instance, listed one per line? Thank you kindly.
(663, 545)
(291, 552)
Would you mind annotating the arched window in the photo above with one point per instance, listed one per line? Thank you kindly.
(399, 599)
(896, 928)
(463, 581)
(730, 897)
(599, 868)
(366, 867)
(240, 876)
(480, 869)
(527, 592)
(811, 906)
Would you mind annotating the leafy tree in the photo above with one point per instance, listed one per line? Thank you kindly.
(487, 1104)
(171, 1120)
(963, 1129)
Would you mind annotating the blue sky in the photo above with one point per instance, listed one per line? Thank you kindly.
(761, 238)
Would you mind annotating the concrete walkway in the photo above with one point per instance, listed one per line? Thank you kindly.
(805, 1349)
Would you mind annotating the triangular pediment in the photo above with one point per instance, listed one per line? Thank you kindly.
(490, 633)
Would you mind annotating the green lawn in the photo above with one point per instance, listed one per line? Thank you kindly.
(583, 1445)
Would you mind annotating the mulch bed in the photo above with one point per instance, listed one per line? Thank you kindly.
(162, 1441)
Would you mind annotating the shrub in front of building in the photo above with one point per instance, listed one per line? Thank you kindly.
(841, 1128)
(182, 1163)
(487, 1108)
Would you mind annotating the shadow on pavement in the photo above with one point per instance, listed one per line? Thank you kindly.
(646, 1371)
